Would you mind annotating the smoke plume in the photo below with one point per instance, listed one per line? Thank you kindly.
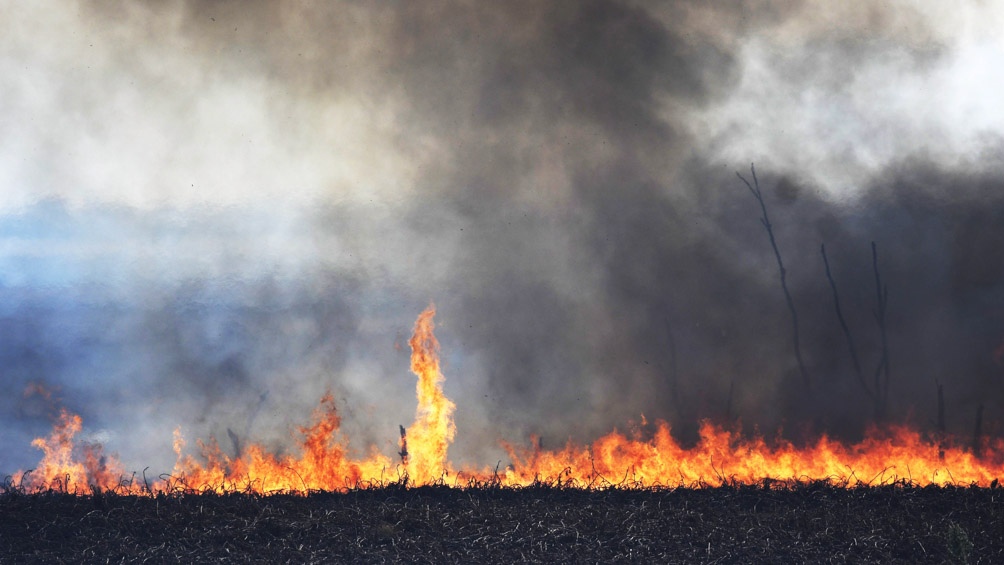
(212, 212)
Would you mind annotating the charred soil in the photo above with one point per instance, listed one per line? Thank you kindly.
(806, 522)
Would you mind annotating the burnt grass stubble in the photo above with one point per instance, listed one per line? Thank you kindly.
(770, 522)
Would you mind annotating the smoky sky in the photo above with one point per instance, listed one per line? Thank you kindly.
(213, 212)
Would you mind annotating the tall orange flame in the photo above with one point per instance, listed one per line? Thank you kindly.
(325, 463)
(430, 435)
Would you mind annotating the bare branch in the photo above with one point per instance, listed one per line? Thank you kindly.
(882, 371)
(765, 220)
(843, 325)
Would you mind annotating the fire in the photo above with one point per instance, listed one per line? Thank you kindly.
(722, 456)
(425, 442)
(323, 464)
(640, 459)
(60, 466)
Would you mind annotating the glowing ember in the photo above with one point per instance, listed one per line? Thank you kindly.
(324, 463)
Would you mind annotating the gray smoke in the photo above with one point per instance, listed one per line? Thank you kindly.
(216, 211)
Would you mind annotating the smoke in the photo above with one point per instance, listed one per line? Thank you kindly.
(214, 211)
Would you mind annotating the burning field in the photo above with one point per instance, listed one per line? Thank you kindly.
(894, 496)
(647, 457)
(219, 219)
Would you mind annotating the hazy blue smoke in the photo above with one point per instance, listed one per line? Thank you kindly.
(212, 212)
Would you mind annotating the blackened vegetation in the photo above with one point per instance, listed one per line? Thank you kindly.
(404, 445)
(769, 522)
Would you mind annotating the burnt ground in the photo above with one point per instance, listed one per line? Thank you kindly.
(734, 524)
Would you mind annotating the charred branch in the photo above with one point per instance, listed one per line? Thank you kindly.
(765, 220)
(404, 445)
(882, 371)
(878, 391)
(843, 326)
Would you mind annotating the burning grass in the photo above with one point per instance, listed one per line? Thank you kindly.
(895, 496)
(545, 522)
(640, 458)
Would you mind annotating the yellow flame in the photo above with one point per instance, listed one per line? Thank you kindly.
(429, 437)
(324, 463)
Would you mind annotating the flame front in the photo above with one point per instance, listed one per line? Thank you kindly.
(641, 460)
(720, 457)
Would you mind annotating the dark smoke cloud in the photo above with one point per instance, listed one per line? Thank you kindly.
(249, 203)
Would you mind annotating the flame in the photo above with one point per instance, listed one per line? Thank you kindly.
(60, 469)
(722, 457)
(325, 462)
(38, 389)
(425, 442)
(322, 465)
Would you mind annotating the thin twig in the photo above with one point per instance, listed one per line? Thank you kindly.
(765, 220)
(843, 325)
(404, 445)
(881, 384)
